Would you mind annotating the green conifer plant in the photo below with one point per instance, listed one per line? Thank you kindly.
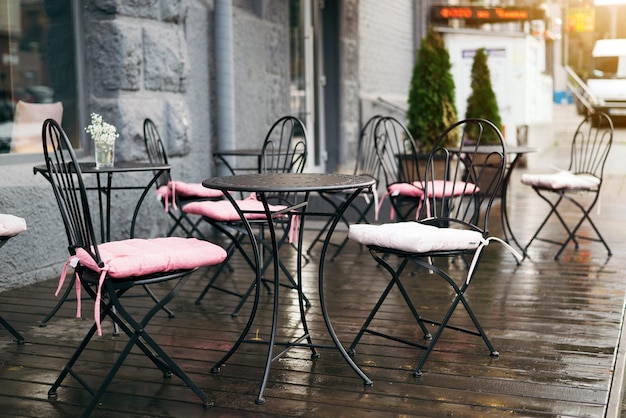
(431, 101)
(482, 102)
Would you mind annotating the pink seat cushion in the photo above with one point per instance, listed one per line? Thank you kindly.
(181, 188)
(443, 188)
(139, 257)
(405, 189)
(224, 211)
(11, 225)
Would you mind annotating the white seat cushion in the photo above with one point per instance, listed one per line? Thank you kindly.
(562, 180)
(11, 225)
(415, 237)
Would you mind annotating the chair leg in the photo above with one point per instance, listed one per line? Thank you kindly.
(69, 288)
(425, 262)
(395, 281)
(138, 336)
(573, 234)
(9, 327)
(460, 297)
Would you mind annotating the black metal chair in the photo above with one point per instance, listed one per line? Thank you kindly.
(580, 184)
(400, 165)
(10, 226)
(367, 164)
(453, 224)
(175, 194)
(284, 150)
(109, 271)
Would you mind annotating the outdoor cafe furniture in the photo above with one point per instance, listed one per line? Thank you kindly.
(453, 223)
(367, 164)
(265, 185)
(284, 150)
(108, 271)
(174, 194)
(10, 226)
(580, 184)
(104, 186)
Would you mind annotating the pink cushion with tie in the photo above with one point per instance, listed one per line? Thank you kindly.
(139, 257)
(181, 188)
(11, 225)
(224, 210)
(405, 189)
(444, 188)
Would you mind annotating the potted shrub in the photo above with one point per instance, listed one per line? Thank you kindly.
(431, 102)
(482, 102)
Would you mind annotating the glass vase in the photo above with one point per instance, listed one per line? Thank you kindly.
(104, 155)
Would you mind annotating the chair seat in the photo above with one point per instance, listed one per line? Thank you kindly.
(562, 180)
(185, 192)
(135, 258)
(140, 257)
(414, 237)
(224, 211)
(11, 225)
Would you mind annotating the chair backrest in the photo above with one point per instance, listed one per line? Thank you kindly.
(474, 175)
(396, 151)
(591, 145)
(285, 147)
(367, 161)
(69, 189)
(156, 150)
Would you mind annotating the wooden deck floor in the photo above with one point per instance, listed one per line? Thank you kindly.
(556, 324)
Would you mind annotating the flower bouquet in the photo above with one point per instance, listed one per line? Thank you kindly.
(104, 136)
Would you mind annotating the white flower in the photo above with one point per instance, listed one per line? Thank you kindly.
(103, 134)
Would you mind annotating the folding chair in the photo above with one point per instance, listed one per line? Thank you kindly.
(10, 226)
(367, 164)
(284, 150)
(175, 194)
(397, 154)
(451, 225)
(107, 272)
(580, 184)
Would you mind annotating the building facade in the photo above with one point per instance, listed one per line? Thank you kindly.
(330, 63)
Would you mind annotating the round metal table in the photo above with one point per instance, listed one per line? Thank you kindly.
(304, 184)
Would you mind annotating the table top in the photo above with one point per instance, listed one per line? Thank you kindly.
(288, 182)
(119, 167)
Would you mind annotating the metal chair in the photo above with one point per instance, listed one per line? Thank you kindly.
(368, 164)
(397, 154)
(284, 150)
(175, 194)
(453, 224)
(109, 271)
(580, 184)
(10, 226)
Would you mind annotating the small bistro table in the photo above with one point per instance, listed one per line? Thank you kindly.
(303, 184)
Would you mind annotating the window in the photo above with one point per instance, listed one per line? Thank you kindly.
(37, 72)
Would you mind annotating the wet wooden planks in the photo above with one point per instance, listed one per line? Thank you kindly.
(556, 325)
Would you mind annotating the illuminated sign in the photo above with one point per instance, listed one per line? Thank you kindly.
(473, 14)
